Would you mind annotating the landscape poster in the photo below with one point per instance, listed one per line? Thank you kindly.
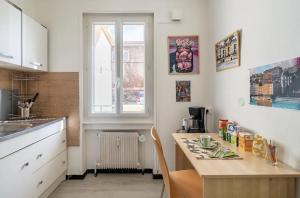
(276, 85)
(183, 54)
(228, 52)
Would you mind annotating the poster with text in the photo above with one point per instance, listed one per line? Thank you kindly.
(183, 54)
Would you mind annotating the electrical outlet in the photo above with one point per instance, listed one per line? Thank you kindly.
(208, 110)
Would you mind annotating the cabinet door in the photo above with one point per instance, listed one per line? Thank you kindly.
(10, 34)
(35, 44)
(15, 173)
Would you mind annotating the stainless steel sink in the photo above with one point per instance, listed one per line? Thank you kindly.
(13, 128)
(32, 122)
(6, 128)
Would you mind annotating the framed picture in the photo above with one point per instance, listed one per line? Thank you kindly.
(183, 91)
(228, 52)
(276, 85)
(183, 54)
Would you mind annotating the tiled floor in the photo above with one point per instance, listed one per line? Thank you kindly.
(110, 186)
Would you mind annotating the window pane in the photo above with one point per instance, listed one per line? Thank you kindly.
(104, 69)
(133, 96)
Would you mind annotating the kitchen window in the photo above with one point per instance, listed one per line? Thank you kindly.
(119, 64)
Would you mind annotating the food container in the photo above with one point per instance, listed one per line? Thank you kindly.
(223, 128)
(231, 128)
(238, 130)
(259, 146)
(228, 137)
(246, 141)
(233, 138)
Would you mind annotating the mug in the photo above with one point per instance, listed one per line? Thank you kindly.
(205, 140)
(185, 124)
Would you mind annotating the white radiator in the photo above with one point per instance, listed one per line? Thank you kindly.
(118, 150)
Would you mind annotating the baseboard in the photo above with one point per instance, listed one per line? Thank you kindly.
(148, 170)
(76, 177)
(120, 171)
(157, 176)
(108, 171)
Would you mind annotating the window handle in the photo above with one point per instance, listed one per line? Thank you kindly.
(118, 83)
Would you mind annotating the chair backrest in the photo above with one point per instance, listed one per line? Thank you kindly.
(162, 161)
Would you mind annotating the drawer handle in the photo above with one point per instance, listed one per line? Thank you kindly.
(25, 165)
(63, 141)
(40, 183)
(36, 64)
(64, 162)
(39, 156)
(6, 56)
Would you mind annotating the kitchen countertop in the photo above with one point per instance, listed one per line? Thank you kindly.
(24, 126)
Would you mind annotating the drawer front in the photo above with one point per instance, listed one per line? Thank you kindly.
(44, 177)
(48, 149)
(10, 146)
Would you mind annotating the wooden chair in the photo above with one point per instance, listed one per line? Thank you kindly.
(178, 184)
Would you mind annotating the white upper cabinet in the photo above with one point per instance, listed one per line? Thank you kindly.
(35, 44)
(10, 34)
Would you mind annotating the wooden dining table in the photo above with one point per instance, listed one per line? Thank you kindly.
(248, 177)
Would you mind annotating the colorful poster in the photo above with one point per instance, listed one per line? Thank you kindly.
(276, 85)
(183, 54)
(183, 91)
(228, 52)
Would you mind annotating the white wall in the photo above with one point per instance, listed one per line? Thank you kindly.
(270, 33)
(64, 20)
(28, 6)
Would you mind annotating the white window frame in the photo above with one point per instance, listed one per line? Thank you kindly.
(119, 20)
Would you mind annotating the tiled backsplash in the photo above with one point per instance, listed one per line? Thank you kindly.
(58, 96)
(5, 79)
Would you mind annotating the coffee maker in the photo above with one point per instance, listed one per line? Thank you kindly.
(197, 123)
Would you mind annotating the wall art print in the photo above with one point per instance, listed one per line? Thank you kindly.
(276, 85)
(183, 54)
(183, 91)
(228, 52)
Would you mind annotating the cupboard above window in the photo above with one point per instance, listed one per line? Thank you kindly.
(23, 41)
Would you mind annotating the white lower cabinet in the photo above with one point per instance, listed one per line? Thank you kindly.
(15, 172)
(44, 177)
(29, 172)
